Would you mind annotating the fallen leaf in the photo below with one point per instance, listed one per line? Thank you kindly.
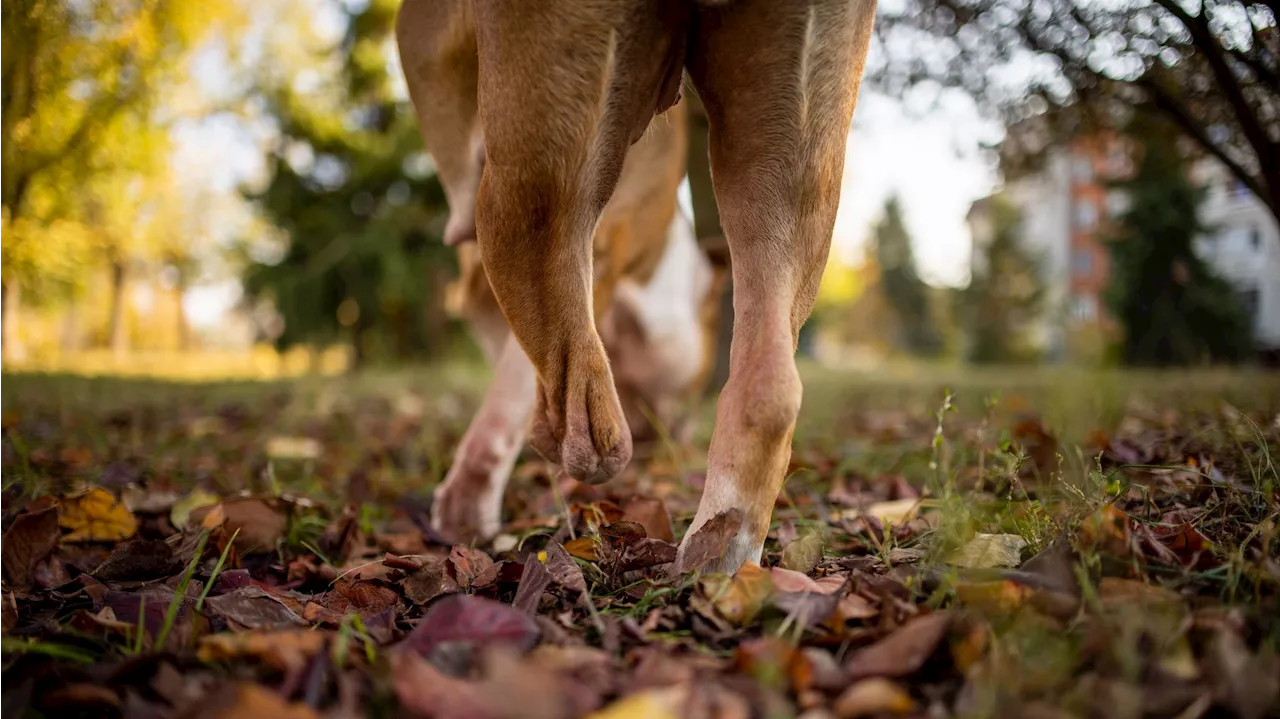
(243, 700)
(429, 582)
(774, 663)
(803, 554)
(709, 542)
(469, 565)
(902, 652)
(1249, 684)
(284, 650)
(897, 511)
(32, 537)
(293, 448)
(533, 582)
(583, 548)
(510, 688)
(985, 551)
(853, 606)
(650, 513)
(645, 553)
(260, 524)
(739, 598)
(789, 580)
(1120, 590)
(564, 571)
(365, 598)
(96, 516)
(254, 608)
(470, 622)
(873, 697)
(138, 559)
(663, 703)
(179, 514)
(1000, 597)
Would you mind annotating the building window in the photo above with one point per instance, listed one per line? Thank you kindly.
(1082, 262)
(1084, 308)
(1086, 214)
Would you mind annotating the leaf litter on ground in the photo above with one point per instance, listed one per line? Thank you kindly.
(1153, 593)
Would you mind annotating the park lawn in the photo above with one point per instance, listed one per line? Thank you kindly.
(1036, 542)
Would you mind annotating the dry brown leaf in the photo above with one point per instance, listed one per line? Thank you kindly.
(96, 516)
(650, 513)
(708, 543)
(662, 703)
(243, 700)
(803, 554)
(256, 522)
(32, 537)
(740, 598)
(285, 651)
(873, 697)
(999, 597)
(985, 551)
(903, 652)
(583, 548)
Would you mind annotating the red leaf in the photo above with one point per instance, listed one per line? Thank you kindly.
(473, 621)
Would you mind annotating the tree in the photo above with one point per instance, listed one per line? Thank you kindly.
(1005, 297)
(906, 294)
(1212, 69)
(359, 207)
(1173, 308)
(82, 130)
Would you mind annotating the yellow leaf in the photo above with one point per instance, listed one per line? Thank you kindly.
(874, 696)
(180, 513)
(662, 703)
(739, 599)
(96, 516)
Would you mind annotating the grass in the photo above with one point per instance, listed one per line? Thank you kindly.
(991, 450)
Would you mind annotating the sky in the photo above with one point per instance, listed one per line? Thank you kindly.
(930, 156)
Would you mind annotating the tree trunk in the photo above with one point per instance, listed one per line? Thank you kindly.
(10, 344)
(706, 224)
(70, 341)
(118, 331)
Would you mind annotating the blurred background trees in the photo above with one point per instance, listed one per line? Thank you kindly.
(1173, 308)
(1211, 69)
(359, 208)
(322, 229)
(1005, 297)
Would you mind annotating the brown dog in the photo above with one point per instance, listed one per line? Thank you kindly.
(551, 95)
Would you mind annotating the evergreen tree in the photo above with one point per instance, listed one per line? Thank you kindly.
(361, 210)
(1173, 308)
(1005, 296)
(906, 294)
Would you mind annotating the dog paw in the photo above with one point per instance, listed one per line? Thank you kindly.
(466, 507)
(580, 425)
